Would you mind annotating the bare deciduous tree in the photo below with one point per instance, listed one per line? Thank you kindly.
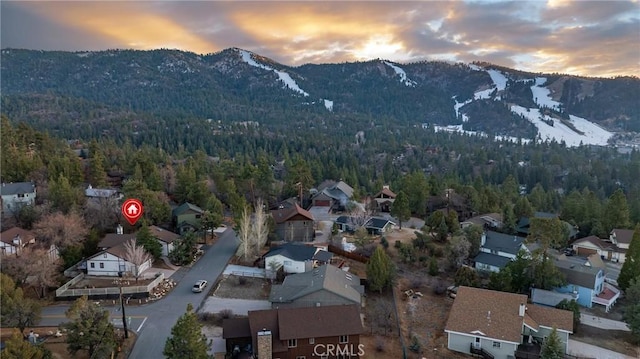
(136, 255)
(32, 266)
(61, 229)
(244, 234)
(102, 213)
(259, 227)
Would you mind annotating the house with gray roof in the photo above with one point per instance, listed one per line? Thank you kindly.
(588, 283)
(498, 249)
(331, 194)
(323, 286)
(15, 196)
(295, 258)
(187, 217)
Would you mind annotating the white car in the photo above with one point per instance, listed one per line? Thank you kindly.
(199, 286)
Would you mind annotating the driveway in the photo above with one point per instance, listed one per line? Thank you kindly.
(603, 323)
(237, 306)
(584, 350)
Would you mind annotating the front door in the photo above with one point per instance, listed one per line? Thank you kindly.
(477, 343)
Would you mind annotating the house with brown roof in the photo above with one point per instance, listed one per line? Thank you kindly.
(293, 223)
(294, 333)
(622, 239)
(165, 238)
(14, 239)
(502, 325)
(384, 199)
(111, 261)
(594, 245)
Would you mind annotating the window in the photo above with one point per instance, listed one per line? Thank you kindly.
(20, 195)
(312, 340)
(496, 344)
(292, 343)
(198, 216)
(104, 255)
(344, 339)
(101, 265)
(300, 357)
(93, 265)
(287, 263)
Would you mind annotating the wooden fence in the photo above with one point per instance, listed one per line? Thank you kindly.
(341, 252)
(64, 291)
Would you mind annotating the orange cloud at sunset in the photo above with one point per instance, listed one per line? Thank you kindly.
(590, 38)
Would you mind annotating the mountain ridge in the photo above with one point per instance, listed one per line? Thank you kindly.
(234, 81)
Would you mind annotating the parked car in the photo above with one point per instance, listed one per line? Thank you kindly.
(199, 286)
(569, 252)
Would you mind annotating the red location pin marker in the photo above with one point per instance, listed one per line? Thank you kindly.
(132, 210)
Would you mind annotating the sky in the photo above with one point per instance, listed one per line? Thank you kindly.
(588, 38)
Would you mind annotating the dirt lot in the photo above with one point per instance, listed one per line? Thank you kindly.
(616, 340)
(243, 287)
(58, 346)
(94, 282)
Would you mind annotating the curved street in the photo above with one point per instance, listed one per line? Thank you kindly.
(153, 321)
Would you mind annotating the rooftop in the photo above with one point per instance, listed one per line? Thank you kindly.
(326, 277)
(8, 189)
(296, 252)
(503, 242)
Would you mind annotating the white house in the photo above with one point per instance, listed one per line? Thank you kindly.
(498, 249)
(14, 239)
(111, 261)
(502, 325)
(295, 258)
(165, 238)
(16, 195)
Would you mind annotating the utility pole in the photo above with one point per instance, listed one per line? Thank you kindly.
(124, 317)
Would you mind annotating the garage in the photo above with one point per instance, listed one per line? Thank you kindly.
(585, 252)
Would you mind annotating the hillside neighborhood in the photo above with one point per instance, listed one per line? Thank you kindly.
(349, 278)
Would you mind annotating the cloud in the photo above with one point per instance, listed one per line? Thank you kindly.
(594, 38)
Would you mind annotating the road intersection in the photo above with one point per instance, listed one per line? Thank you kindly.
(153, 322)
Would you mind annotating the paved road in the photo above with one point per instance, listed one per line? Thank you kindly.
(585, 350)
(603, 323)
(154, 321)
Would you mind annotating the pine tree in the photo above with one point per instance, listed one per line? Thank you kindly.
(380, 270)
(552, 347)
(616, 212)
(631, 267)
(400, 208)
(18, 348)
(146, 239)
(89, 329)
(187, 340)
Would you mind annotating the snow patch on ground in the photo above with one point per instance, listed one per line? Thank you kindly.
(282, 76)
(499, 79)
(459, 129)
(593, 134)
(403, 75)
(541, 95)
(328, 104)
(459, 105)
(475, 67)
(483, 95)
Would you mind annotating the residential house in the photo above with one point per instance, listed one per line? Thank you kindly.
(165, 238)
(622, 239)
(502, 325)
(594, 245)
(295, 333)
(384, 199)
(489, 221)
(293, 223)
(112, 261)
(449, 200)
(295, 258)
(14, 239)
(588, 283)
(333, 194)
(187, 217)
(115, 239)
(102, 193)
(346, 223)
(379, 225)
(498, 249)
(323, 286)
(16, 195)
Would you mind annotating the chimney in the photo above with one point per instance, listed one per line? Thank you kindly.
(119, 229)
(264, 344)
(523, 308)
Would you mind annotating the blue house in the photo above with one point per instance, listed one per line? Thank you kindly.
(498, 249)
(588, 283)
